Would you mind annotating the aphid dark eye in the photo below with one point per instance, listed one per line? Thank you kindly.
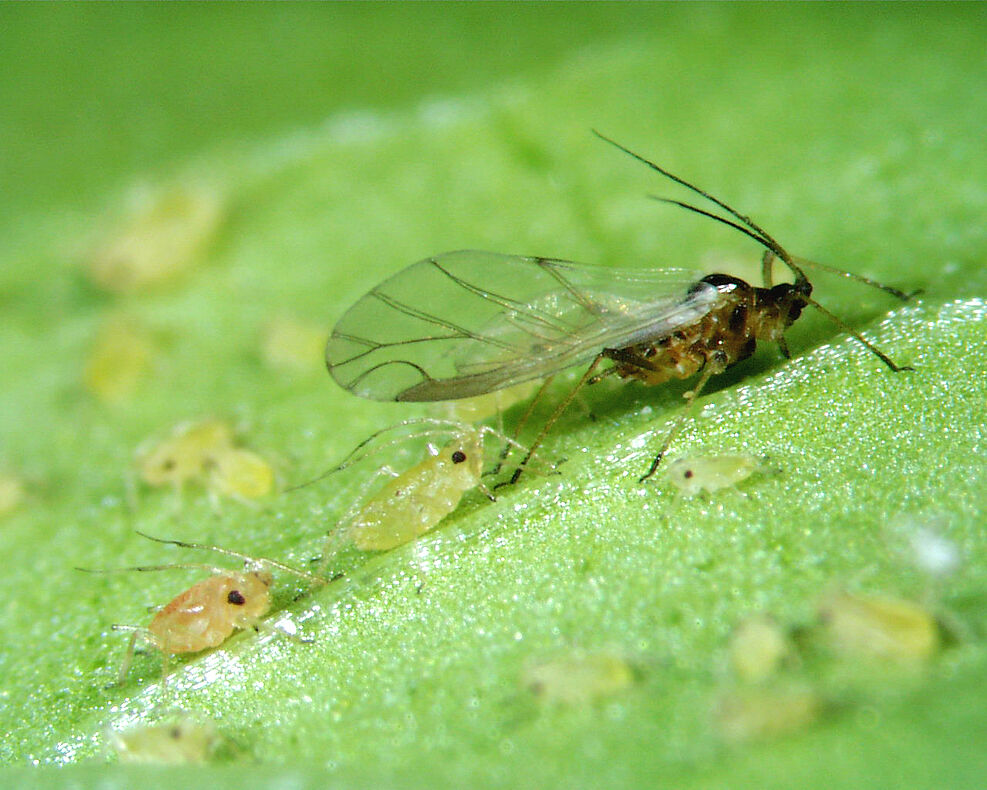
(688, 473)
(236, 598)
(458, 457)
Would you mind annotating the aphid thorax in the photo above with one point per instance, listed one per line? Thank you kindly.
(739, 316)
(206, 614)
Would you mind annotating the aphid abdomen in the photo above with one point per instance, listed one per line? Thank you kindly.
(722, 337)
(415, 501)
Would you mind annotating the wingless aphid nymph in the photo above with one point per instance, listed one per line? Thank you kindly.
(466, 323)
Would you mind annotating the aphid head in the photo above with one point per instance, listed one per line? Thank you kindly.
(248, 594)
(682, 473)
(791, 299)
(462, 458)
(465, 457)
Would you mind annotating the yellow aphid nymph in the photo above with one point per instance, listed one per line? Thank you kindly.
(185, 454)
(710, 473)
(163, 232)
(206, 614)
(418, 498)
(580, 678)
(879, 627)
(241, 474)
(119, 359)
(204, 452)
(180, 741)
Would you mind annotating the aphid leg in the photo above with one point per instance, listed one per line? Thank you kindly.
(523, 421)
(531, 406)
(712, 368)
(767, 268)
(128, 658)
(857, 336)
(486, 491)
(600, 376)
(274, 629)
(555, 416)
(513, 444)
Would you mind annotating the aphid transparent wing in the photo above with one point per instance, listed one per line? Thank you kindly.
(469, 322)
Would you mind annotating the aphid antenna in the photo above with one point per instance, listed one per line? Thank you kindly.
(746, 226)
(445, 428)
(246, 558)
(188, 566)
(902, 295)
(794, 263)
(858, 337)
(749, 228)
(773, 246)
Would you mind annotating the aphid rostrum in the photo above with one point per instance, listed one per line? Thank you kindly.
(466, 323)
(207, 613)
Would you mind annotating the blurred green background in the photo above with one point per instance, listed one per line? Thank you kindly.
(342, 142)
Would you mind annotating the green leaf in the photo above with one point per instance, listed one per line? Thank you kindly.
(853, 134)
